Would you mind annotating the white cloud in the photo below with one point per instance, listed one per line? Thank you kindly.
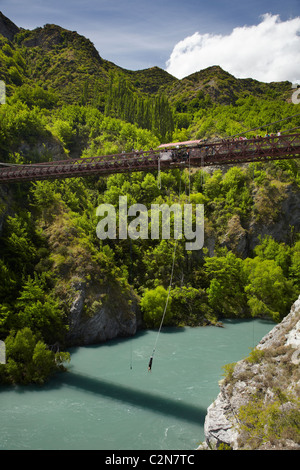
(269, 51)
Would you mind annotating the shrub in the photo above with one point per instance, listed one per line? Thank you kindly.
(228, 371)
(255, 356)
(153, 306)
(29, 360)
(272, 423)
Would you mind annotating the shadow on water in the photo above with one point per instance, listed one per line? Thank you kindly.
(138, 398)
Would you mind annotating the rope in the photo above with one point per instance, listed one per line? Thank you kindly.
(158, 174)
(289, 130)
(169, 291)
(189, 177)
(130, 276)
(167, 301)
(130, 282)
(267, 125)
(253, 207)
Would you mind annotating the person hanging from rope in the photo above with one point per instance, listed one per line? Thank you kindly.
(169, 290)
(150, 363)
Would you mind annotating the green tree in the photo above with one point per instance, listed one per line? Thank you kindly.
(213, 185)
(64, 131)
(226, 289)
(279, 252)
(7, 281)
(294, 270)
(6, 319)
(18, 246)
(39, 309)
(268, 291)
(190, 306)
(29, 360)
(236, 190)
(163, 123)
(153, 305)
(35, 96)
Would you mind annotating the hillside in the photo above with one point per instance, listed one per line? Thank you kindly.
(206, 104)
(223, 88)
(62, 60)
(68, 63)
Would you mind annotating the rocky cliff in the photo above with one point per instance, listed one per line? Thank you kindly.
(258, 403)
(7, 28)
(112, 314)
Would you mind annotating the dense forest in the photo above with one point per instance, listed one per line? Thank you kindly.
(63, 101)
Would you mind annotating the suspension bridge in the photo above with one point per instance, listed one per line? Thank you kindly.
(195, 153)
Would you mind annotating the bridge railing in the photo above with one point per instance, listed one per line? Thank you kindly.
(202, 154)
(258, 148)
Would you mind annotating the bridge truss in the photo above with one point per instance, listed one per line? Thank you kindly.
(168, 156)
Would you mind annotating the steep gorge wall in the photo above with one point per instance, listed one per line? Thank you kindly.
(277, 368)
(114, 314)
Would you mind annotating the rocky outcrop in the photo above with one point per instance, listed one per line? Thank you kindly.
(49, 149)
(275, 367)
(99, 313)
(275, 213)
(7, 28)
(97, 301)
(285, 221)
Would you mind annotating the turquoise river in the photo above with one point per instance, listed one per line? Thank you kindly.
(109, 401)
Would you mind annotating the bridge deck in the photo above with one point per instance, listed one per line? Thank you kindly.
(198, 154)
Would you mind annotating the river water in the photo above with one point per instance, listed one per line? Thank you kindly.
(108, 400)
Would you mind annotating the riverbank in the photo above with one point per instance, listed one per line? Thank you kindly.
(258, 403)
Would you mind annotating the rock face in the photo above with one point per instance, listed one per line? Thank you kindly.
(280, 227)
(50, 148)
(7, 28)
(111, 315)
(280, 222)
(277, 368)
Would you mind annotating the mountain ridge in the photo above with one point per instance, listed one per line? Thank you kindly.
(68, 62)
(7, 28)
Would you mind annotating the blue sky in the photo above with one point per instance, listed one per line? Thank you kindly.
(179, 36)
